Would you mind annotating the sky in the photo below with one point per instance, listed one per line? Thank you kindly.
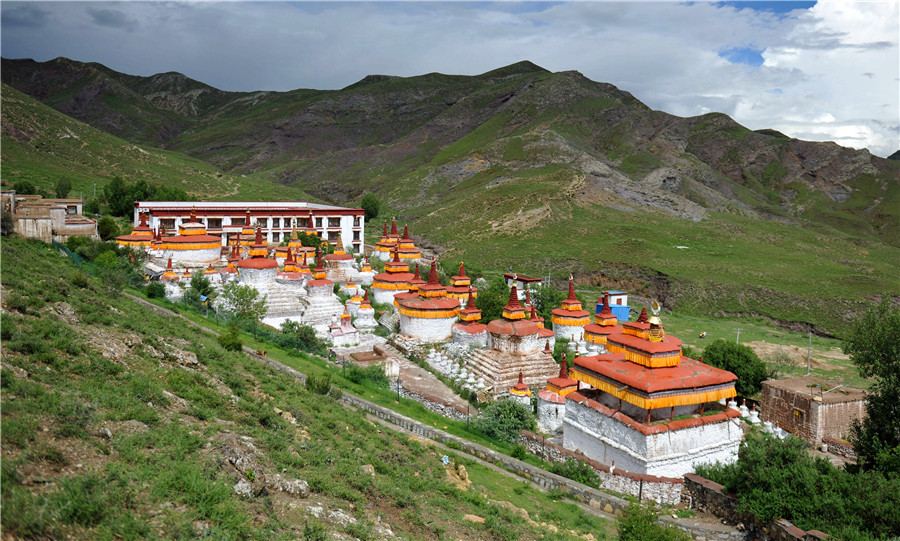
(821, 71)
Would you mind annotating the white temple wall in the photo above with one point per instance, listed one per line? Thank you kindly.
(193, 258)
(667, 454)
(550, 416)
(470, 340)
(569, 332)
(256, 276)
(433, 330)
(525, 345)
(385, 296)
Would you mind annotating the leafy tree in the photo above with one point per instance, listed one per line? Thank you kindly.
(641, 523)
(741, 361)
(25, 187)
(874, 346)
(200, 287)
(492, 300)
(7, 223)
(300, 337)
(107, 228)
(371, 205)
(576, 470)
(546, 299)
(244, 302)
(503, 420)
(118, 197)
(92, 207)
(63, 187)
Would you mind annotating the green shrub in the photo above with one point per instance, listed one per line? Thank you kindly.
(319, 384)
(519, 452)
(156, 290)
(503, 420)
(231, 340)
(774, 479)
(640, 523)
(576, 470)
(372, 373)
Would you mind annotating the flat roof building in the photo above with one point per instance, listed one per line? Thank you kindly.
(226, 219)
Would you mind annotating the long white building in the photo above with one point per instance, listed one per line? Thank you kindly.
(226, 218)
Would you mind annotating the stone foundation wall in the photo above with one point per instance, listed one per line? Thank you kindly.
(835, 418)
(840, 448)
(710, 497)
(470, 340)
(662, 490)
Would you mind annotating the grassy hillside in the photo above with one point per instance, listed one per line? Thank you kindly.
(121, 423)
(41, 145)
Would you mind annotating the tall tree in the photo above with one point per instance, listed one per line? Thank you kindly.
(63, 187)
(371, 205)
(741, 361)
(874, 347)
(118, 197)
(244, 302)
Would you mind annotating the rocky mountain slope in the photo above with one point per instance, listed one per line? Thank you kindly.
(507, 122)
(549, 173)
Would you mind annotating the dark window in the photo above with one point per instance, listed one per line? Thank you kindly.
(276, 222)
(168, 223)
(356, 221)
(334, 222)
(318, 222)
(356, 235)
(215, 223)
(276, 237)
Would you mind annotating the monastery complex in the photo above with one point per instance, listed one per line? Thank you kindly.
(624, 393)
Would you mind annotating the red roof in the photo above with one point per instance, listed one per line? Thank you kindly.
(323, 282)
(593, 328)
(428, 303)
(258, 263)
(192, 239)
(690, 374)
(550, 396)
(471, 328)
(517, 327)
(562, 312)
(669, 343)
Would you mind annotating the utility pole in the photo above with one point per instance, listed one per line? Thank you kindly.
(738, 329)
(808, 352)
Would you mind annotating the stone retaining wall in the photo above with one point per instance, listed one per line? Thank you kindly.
(431, 403)
(710, 497)
(840, 448)
(662, 490)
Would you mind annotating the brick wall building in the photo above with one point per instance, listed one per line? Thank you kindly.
(810, 408)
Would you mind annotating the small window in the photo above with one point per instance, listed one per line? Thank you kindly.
(72, 210)
(356, 235)
(237, 220)
(276, 222)
(334, 222)
(318, 222)
(215, 223)
(356, 221)
(302, 222)
(168, 223)
(276, 237)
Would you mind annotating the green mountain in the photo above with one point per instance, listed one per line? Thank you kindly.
(545, 172)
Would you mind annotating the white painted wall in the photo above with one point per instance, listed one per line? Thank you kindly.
(430, 330)
(668, 454)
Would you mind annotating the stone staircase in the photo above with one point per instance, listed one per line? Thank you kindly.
(283, 300)
(390, 320)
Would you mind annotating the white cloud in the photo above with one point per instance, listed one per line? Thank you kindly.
(830, 72)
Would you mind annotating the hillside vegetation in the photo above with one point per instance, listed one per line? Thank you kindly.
(119, 422)
(548, 173)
